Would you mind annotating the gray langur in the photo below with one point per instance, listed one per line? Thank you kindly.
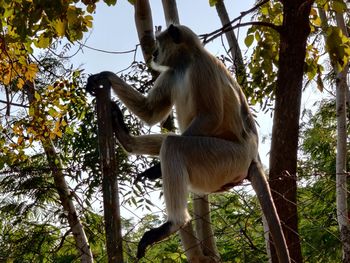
(218, 145)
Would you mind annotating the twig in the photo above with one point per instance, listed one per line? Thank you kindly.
(227, 27)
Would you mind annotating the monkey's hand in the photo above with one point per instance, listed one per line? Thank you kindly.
(120, 129)
(102, 79)
(151, 173)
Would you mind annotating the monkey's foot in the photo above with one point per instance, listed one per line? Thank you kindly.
(155, 235)
(151, 173)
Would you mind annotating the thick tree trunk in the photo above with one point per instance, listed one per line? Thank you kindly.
(285, 130)
(64, 193)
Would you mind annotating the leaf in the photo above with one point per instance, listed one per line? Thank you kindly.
(249, 40)
(60, 27)
(338, 6)
(212, 2)
(37, 96)
(110, 2)
(43, 41)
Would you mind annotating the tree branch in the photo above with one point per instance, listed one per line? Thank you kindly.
(227, 27)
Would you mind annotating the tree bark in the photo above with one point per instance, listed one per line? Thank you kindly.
(109, 170)
(65, 195)
(234, 49)
(170, 12)
(341, 109)
(285, 130)
(144, 26)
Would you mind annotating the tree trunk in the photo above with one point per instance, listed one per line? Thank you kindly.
(109, 170)
(63, 191)
(170, 12)
(285, 130)
(234, 49)
(341, 175)
(144, 26)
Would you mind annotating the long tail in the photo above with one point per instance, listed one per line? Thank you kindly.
(257, 177)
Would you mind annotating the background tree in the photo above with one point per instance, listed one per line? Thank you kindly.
(34, 224)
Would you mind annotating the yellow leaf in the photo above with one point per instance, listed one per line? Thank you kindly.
(37, 96)
(52, 136)
(20, 83)
(60, 27)
(19, 140)
(59, 133)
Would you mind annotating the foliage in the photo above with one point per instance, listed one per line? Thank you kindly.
(318, 220)
(39, 23)
(264, 41)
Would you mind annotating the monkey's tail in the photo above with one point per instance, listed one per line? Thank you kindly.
(257, 177)
(155, 235)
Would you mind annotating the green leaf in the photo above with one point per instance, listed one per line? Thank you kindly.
(338, 6)
(43, 41)
(110, 2)
(37, 96)
(249, 40)
(212, 2)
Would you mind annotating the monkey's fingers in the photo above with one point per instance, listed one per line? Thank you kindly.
(95, 82)
(154, 235)
(151, 173)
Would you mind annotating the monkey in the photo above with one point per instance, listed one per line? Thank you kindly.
(218, 145)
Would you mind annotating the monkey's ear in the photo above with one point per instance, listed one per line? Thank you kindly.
(175, 33)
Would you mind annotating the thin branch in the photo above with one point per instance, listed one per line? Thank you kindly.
(210, 37)
(227, 27)
(14, 104)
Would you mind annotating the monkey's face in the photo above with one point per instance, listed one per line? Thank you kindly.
(174, 47)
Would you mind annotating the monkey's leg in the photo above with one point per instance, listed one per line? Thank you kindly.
(257, 177)
(204, 165)
(144, 144)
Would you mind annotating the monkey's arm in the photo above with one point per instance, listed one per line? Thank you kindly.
(151, 109)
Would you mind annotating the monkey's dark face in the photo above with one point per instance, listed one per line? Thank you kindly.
(174, 46)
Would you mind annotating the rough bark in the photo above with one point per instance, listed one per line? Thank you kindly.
(109, 170)
(65, 195)
(285, 130)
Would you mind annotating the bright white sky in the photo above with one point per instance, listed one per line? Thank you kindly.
(114, 30)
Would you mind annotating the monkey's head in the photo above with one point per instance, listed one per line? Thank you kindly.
(175, 47)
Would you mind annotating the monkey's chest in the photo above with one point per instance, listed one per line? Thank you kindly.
(184, 110)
